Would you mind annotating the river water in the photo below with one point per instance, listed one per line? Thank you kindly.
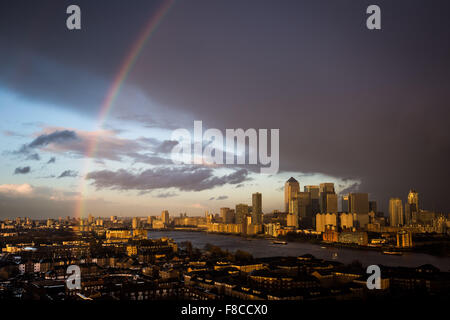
(260, 248)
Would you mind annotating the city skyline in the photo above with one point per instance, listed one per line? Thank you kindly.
(87, 115)
(352, 202)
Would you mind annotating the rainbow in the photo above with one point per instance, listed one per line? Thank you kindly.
(114, 90)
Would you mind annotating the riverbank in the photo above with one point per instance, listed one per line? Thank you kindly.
(263, 247)
(433, 249)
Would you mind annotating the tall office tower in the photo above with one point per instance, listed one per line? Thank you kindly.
(331, 203)
(291, 188)
(91, 219)
(304, 205)
(293, 213)
(135, 223)
(408, 214)
(314, 194)
(241, 213)
(396, 212)
(293, 205)
(413, 200)
(344, 203)
(324, 190)
(223, 213)
(358, 203)
(113, 218)
(292, 220)
(327, 187)
(165, 217)
(373, 206)
(257, 208)
(227, 215)
(303, 208)
(411, 207)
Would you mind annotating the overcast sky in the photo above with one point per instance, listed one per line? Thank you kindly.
(367, 110)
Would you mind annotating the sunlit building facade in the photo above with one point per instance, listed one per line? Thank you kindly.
(396, 212)
(291, 188)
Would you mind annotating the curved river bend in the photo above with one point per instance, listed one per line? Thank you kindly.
(260, 248)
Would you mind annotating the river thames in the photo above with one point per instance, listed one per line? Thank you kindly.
(260, 248)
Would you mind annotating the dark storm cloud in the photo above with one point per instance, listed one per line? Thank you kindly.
(348, 102)
(54, 137)
(186, 178)
(368, 105)
(43, 140)
(109, 146)
(68, 174)
(22, 170)
(41, 59)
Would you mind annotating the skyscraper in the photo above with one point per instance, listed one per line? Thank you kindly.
(411, 207)
(324, 190)
(304, 206)
(291, 188)
(241, 213)
(135, 223)
(292, 220)
(331, 203)
(373, 206)
(413, 200)
(396, 212)
(314, 192)
(344, 203)
(165, 217)
(292, 217)
(358, 203)
(257, 208)
(227, 215)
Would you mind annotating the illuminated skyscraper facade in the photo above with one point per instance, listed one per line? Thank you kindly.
(326, 189)
(291, 188)
(241, 213)
(396, 212)
(257, 208)
(165, 217)
(413, 200)
(358, 203)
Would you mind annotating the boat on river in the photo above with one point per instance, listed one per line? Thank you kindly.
(393, 253)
